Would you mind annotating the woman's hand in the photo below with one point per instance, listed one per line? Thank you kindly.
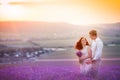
(80, 60)
(89, 62)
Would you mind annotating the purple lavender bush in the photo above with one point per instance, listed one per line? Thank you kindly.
(56, 71)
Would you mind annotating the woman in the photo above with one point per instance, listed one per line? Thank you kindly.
(86, 55)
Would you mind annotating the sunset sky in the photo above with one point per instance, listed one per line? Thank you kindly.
(69, 11)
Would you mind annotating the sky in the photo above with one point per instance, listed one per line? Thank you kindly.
(70, 11)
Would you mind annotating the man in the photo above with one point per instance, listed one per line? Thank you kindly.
(96, 47)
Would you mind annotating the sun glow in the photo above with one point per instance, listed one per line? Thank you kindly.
(13, 12)
(70, 11)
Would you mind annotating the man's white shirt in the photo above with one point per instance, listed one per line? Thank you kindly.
(96, 47)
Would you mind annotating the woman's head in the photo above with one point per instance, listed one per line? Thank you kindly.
(81, 42)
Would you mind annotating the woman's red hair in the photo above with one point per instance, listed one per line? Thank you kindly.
(79, 44)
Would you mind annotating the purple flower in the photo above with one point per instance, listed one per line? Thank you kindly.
(79, 53)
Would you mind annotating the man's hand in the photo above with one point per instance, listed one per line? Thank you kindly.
(93, 61)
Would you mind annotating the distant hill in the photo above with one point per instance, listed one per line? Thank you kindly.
(41, 29)
(29, 27)
(110, 33)
(112, 29)
(58, 29)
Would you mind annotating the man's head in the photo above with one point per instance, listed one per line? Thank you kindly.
(93, 34)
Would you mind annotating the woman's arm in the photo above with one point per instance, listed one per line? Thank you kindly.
(89, 52)
(80, 61)
(89, 55)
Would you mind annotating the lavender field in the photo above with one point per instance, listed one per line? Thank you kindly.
(22, 50)
(57, 70)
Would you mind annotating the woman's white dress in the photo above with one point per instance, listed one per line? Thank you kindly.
(84, 67)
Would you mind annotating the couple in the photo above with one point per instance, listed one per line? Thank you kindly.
(89, 55)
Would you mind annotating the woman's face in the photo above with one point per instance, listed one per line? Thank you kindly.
(83, 41)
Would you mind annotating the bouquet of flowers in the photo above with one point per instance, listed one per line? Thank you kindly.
(79, 53)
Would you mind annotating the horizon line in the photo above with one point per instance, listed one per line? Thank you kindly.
(59, 22)
(52, 60)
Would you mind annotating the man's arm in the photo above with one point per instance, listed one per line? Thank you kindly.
(98, 51)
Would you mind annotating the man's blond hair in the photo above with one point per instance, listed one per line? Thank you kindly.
(93, 32)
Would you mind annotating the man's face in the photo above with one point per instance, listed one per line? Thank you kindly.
(92, 37)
